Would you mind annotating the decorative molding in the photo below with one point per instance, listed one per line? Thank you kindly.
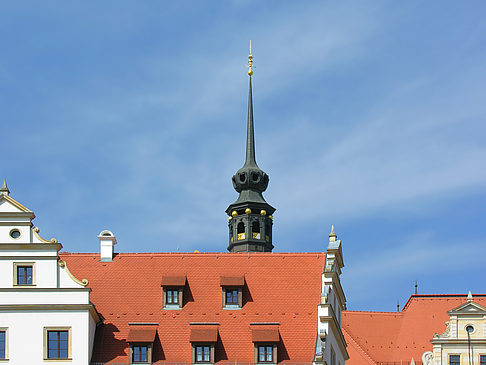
(36, 233)
(30, 246)
(427, 358)
(83, 282)
(44, 307)
(42, 290)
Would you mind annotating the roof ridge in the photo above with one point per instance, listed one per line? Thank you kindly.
(274, 254)
(418, 296)
(357, 345)
(372, 312)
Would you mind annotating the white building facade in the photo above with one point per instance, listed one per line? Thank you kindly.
(45, 312)
(331, 346)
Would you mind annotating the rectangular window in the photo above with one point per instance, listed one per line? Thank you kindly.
(232, 296)
(24, 275)
(482, 359)
(454, 359)
(265, 353)
(203, 353)
(57, 344)
(172, 296)
(140, 353)
(3, 344)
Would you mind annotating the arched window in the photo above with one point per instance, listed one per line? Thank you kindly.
(240, 230)
(255, 230)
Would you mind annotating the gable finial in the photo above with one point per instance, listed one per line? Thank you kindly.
(416, 287)
(250, 62)
(332, 235)
(469, 297)
(4, 188)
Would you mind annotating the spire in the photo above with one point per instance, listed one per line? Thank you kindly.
(250, 216)
(4, 188)
(469, 297)
(250, 132)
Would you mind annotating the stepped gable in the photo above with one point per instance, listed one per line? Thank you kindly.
(399, 336)
(279, 288)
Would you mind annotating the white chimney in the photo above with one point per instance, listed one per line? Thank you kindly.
(107, 243)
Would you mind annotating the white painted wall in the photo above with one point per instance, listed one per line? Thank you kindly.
(26, 335)
(52, 286)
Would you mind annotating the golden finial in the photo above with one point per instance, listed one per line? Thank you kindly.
(250, 62)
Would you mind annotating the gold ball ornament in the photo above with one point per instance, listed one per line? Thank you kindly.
(248, 211)
(234, 213)
(271, 217)
(263, 212)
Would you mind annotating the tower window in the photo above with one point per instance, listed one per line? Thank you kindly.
(241, 231)
(255, 230)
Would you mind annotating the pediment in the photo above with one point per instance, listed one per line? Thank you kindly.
(10, 205)
(468, 308)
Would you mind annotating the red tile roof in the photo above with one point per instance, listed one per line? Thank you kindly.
(230, 281)
(281, 288)
(141, 334)
(264, 333)
(398, 336)
(173, 280)
(202, 333)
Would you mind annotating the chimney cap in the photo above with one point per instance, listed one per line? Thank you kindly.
(107, 235)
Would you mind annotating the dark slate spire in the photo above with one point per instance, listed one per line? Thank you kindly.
(250, 217)
(250, 133)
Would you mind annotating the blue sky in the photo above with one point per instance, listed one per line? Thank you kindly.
(130, 116)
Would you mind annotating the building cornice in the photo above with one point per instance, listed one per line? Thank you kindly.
(46, 290)
(30, 246)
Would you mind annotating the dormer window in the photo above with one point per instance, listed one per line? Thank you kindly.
(203, 339)
(24, 273)
(173, 289)
(265, 336)
(141, 338)
(232, 288)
